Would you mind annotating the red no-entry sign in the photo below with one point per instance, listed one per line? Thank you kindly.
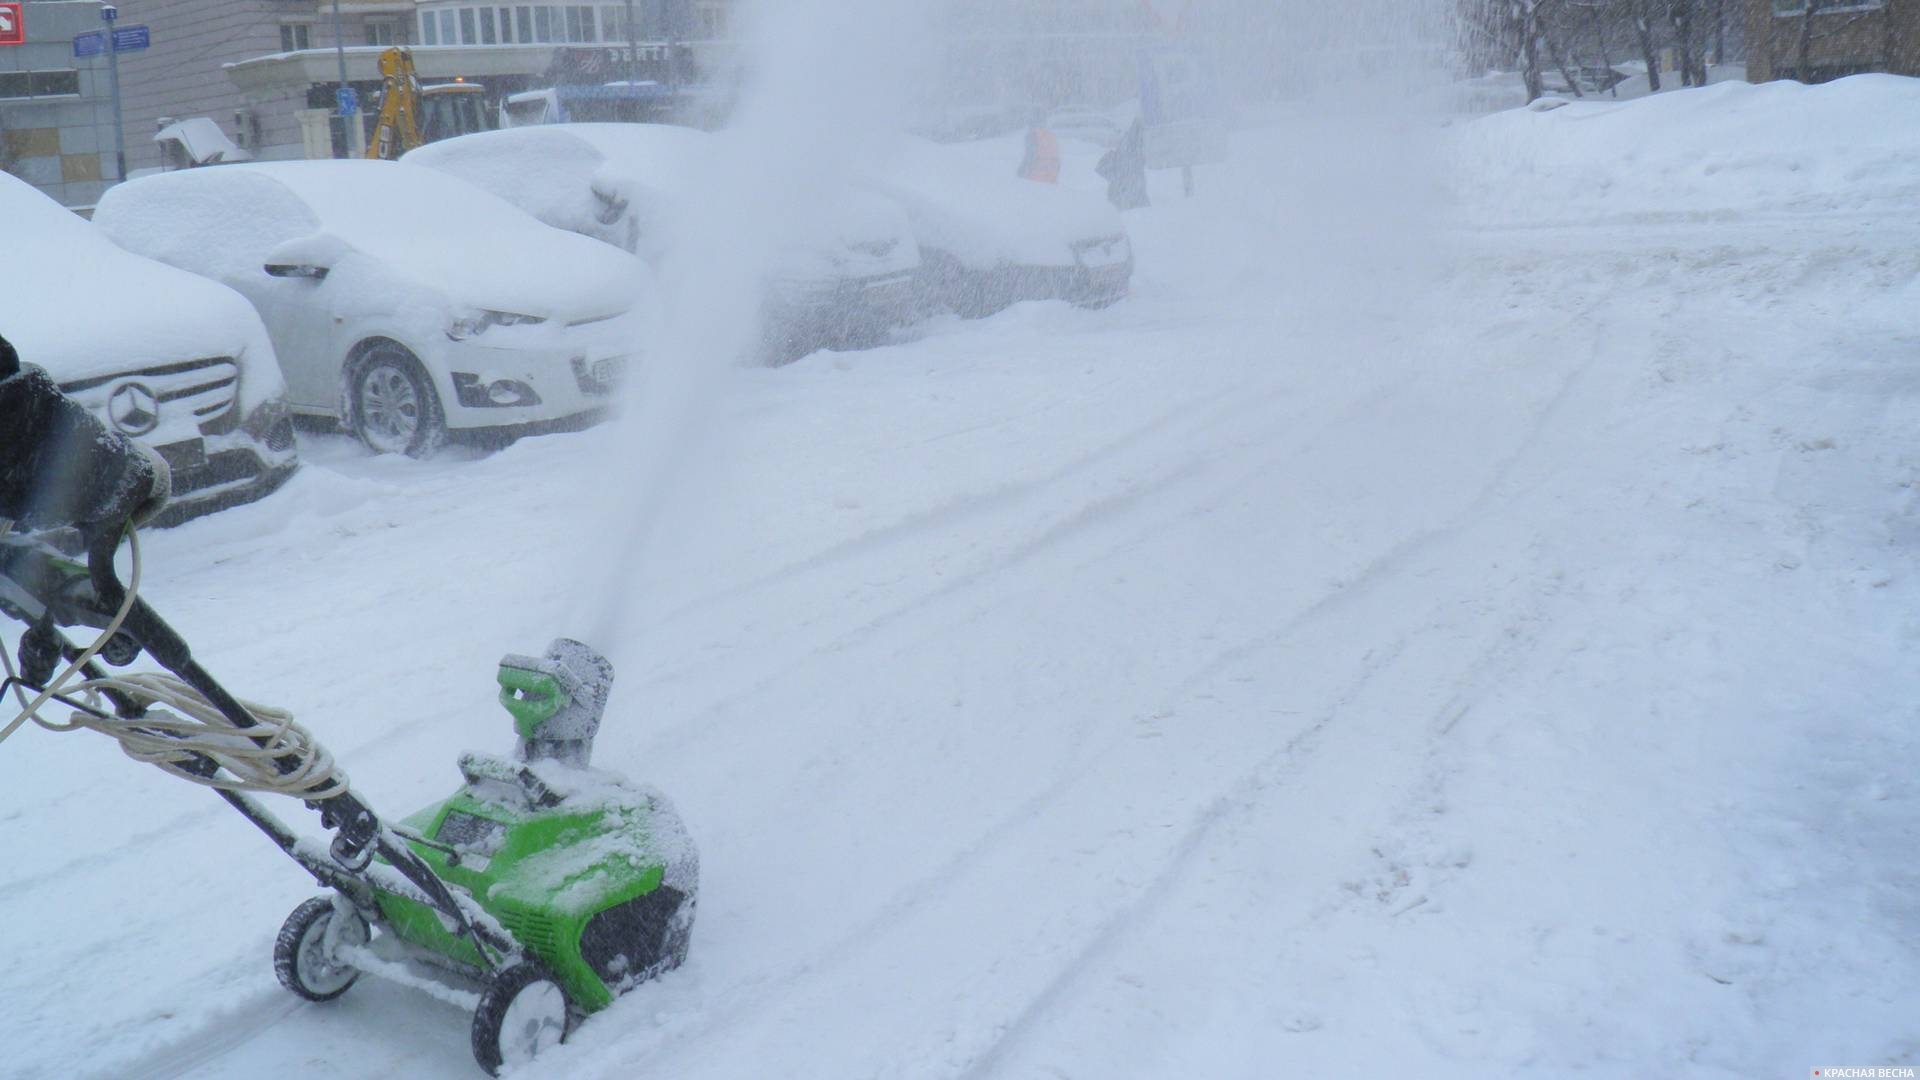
(13, 24)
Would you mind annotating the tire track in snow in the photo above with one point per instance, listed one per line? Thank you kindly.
(1215, 810)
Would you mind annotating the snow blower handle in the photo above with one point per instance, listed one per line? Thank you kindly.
(59, 465)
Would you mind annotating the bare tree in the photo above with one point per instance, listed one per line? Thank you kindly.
(1692, 62)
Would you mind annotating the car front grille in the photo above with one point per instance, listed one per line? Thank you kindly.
(142, 401)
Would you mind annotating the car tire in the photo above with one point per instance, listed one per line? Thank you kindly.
(522, 1012)
(978, 295)
(970, 294)
(391, 404)
(300, 960)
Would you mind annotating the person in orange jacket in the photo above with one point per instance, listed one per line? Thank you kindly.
(1042, 162)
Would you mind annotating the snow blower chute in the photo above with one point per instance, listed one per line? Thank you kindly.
(536, 894)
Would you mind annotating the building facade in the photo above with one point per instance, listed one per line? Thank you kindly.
(184, 74)
(505, 48)
(56, 124)
(1820, 40)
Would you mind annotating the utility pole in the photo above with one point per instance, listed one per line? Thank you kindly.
(349, 101)
(633, 44)
(109, 13)
(672, 9)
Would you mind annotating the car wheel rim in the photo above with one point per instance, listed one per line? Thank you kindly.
(389, 408)
(535, 1020)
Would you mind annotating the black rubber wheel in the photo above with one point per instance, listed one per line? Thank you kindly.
(391, 404)
(522, 1012)
(299, 953)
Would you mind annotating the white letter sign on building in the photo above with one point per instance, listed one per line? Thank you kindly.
(13, 25)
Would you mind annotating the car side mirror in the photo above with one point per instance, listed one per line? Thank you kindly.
(612, 203)
(305, 270)
(310, 257)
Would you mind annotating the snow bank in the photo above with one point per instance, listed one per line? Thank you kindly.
(1849, 145)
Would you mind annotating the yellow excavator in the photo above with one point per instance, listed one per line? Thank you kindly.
(412, 115)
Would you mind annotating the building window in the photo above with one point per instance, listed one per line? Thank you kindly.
(489, 34)
(448, 36)
(383, 32)
(613, 23)
(523, 22)
(293, 36)
(469, 33)
(506, 26)
(23, 84)
(55, 83)
(543, 24)
(429, 29)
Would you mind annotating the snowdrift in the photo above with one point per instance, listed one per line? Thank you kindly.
(1850, 145)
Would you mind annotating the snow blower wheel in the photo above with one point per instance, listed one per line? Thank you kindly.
(522, 1012)
(304, 957)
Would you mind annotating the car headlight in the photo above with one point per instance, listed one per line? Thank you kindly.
(472, 325)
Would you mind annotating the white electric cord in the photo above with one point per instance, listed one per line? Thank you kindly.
(250, 757)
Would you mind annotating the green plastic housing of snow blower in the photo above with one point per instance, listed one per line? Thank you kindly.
(593, 876)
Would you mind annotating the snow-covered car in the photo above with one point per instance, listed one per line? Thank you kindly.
(850, 279)
(989, 239)
(402, 302)
(175, 361)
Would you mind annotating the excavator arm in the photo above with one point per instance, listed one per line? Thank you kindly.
(398, 129)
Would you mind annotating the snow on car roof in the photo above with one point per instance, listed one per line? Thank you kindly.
(568, 175)
(480, 248)
(552, 171)
(966, 199)
(78, 306)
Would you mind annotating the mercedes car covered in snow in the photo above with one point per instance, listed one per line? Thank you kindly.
(406, 304)
(989, 239)
(175, 361)
(848, 280)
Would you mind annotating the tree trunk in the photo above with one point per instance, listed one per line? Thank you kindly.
(1600, 41)
(1690, 73)
(1645, 30)
(1893, 61)
(1560, 61)
(1528, 17)
(1805, 52)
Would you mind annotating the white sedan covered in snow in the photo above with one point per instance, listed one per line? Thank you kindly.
(990, 239)
(170, 359)
(403, 302)
(849, 279)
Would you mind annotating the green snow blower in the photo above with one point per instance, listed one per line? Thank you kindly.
(535, 895)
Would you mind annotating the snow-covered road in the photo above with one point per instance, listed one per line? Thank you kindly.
(1489, 660)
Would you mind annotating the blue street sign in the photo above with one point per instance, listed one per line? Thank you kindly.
(125, 39)
(349, 101)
